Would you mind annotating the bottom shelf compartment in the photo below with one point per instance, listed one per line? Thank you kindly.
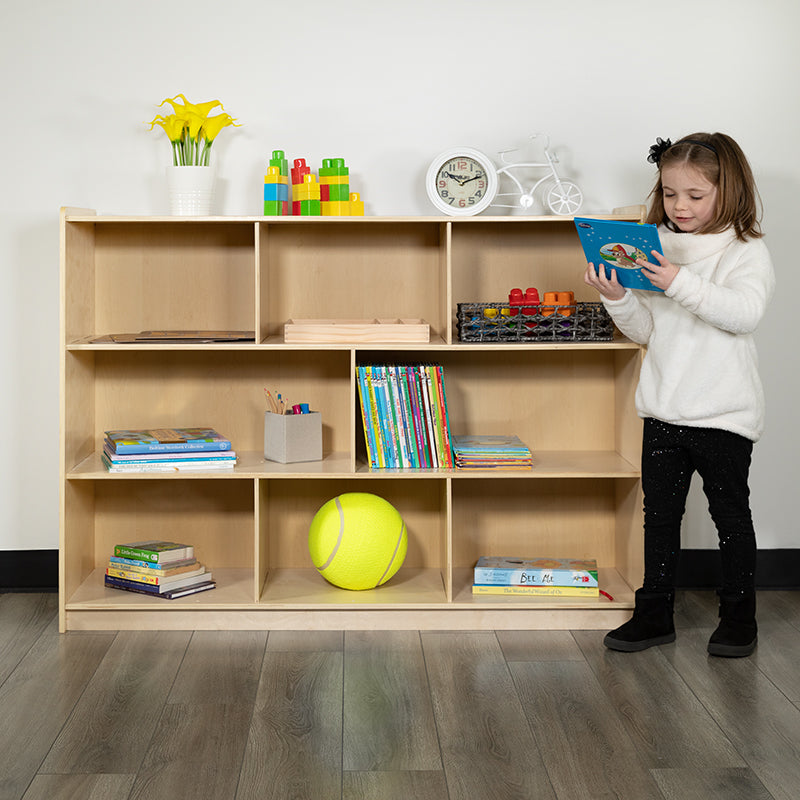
(300, 599)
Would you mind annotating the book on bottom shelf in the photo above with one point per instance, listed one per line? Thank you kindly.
(155, 551)
(161, 581)
(201, 585)
(536, 572)
(159, 568)
(536, 591)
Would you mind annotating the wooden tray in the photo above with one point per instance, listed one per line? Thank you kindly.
(356, 330)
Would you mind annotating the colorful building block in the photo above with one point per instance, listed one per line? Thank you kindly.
(276, 191)
(356, 205)
(334, 179)
(280, 161)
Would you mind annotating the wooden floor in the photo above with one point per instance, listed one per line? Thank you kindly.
(398, 714)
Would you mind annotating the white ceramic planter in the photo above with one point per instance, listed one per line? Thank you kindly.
(191, 190)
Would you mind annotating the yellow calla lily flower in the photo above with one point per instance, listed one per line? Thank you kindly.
(213, 125)
(201, 108)
(190, 130)
(172, 125)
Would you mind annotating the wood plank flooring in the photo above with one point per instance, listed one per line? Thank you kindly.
(379, 715)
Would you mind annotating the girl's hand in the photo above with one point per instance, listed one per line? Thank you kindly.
(662, 274)
(610, 288)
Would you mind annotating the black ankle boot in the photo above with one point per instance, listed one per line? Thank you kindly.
(737, 633)
(650, 625)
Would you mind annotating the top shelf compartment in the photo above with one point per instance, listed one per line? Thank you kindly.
(130, 274)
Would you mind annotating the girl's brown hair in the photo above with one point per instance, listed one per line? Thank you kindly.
(721, 162)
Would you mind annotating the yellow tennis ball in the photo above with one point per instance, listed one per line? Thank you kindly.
(357, 540)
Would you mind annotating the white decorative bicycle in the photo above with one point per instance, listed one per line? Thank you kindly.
(562, 197)
(464, 181)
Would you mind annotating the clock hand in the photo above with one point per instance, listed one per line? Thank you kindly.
(474, 177)
(460, 181)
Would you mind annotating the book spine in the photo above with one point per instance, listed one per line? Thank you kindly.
(436, 413)
(154, 556)
(387, 426)
(138, 577)
(408, 420)
(169, 447)
(397, 426)
(169, 466)
(416, 419)
(448, 440)
(376, 420)
(536, 591)
(165, 571)
(366, 417)
(429, 426)
(131, 586)
(534, 577)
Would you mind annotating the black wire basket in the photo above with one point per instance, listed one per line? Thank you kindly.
(499, 322)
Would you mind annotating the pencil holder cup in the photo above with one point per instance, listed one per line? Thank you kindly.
(292, 437)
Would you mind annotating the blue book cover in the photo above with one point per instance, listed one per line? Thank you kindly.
(617, 245)
(165, 440)
(506, 571)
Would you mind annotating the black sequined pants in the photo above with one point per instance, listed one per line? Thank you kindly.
(670, 455)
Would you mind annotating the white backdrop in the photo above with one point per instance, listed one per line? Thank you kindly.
(386, 86)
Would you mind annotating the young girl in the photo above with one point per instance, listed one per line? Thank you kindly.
(699, 391)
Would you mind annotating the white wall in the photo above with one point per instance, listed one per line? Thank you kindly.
(386, 86)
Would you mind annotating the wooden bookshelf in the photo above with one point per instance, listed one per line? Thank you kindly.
(571, 402)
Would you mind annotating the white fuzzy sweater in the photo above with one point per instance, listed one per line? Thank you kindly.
(701, 366)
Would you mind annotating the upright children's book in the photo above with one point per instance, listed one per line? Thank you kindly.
(618, 245)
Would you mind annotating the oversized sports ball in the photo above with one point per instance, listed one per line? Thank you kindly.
(357, 540)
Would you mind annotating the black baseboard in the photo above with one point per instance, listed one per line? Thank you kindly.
(775, 569)
(28, 570)
(37, 570)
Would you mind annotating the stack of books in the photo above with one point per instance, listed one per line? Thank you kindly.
(167, 450)
(485, 451)
(159, 568)
(404, 411)
(549, 577)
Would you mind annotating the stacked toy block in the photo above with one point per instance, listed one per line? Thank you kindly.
(327, 196)
(334, 183)
(276, 186)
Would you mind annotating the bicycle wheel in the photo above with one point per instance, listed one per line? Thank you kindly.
(564, 198)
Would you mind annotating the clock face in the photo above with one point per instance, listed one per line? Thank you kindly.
(461, 181)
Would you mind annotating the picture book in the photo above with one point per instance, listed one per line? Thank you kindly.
(505, 571)
(199, 465)
(154, 551)
(487, 451)
(167, 440)
(537, 591)
(617, 245)
(153, 591)
(160, 458)
(404, 416)
(170, 581)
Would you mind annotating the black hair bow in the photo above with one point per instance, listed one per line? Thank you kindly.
(658, 149)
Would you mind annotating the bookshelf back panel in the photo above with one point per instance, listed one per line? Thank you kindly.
(216, 517)
(222, 389)
(552, 399)
(187, 276)
(291, 507)
(552, 518)
(77, 281)
(491, 259)
(354, 271)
